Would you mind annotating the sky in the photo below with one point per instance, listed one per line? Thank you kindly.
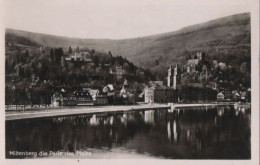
(114, 19)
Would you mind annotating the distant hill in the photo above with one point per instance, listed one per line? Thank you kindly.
(220, 39)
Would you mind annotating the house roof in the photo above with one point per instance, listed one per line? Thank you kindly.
(220, 94)
(193, 62)
(68, 94)
(155, 83)
(101, 93)
(110, 86)
(141, 94)
(82, 94)
(163, 87)
(130, 89)
(149, 88)
(93, 91)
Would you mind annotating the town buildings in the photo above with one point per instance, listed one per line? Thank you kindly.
(79, 56)
(101, 99)
(84, 98)
(118, 71)
(191, 65)
(128, 92)
(220, 97)
(196, 73)
(164, 94)
(160, 94)
(68, 99)
(56, 99)
(149, 94)
(155, 83)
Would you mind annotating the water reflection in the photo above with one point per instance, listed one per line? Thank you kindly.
(149, 116)
(185, 133)
(94, 120)
(169, 131)
(220, 110)
(175, 131)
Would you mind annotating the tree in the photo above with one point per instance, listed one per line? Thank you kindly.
(70, 50)
(188, 57)
(62, 61)
(204, 68)
(77, 49)
(26, 54)
(83, 69)
(27, 71)
(215, 64)
(8, 95)
(92, 52)
(52, 54)
(126, 66)
(199, 66)
(71, 66)
(110, 54)
(157, 62)
(58, 54)
(222, 66)
(95, 60)
(40, 70)
(244, 67)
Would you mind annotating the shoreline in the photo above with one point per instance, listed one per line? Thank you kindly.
(80, 110)
(77, 110)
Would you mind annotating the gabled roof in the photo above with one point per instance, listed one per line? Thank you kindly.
(108, 88)
(68, 94)
(93, 91)
(220, 94)
(155, 83)
(147, 87)
(193, 62)
(141, 94)
(163, 87)
(82, 94)
(130, 89)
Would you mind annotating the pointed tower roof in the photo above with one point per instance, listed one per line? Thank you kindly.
(176, 68)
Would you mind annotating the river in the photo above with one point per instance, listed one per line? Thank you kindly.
(221, 132)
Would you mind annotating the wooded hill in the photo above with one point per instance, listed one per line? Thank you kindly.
(225, 39)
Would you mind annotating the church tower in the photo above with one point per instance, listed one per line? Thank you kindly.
(177, 77)
(174, 77)
(170, 77)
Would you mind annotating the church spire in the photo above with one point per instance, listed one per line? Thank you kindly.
(170, 76)
(176, 78)
(176, 69)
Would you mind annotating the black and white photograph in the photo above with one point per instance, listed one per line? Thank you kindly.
(165, 80)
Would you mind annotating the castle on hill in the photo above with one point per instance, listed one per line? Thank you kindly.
(194, 73)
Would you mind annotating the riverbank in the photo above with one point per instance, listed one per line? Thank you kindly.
(80, 110)
(200, 104)
(76, 110)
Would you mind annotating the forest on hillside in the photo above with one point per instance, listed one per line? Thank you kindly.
(40, 71)
(225, 40)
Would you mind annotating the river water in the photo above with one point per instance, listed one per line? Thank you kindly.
(221, 132)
